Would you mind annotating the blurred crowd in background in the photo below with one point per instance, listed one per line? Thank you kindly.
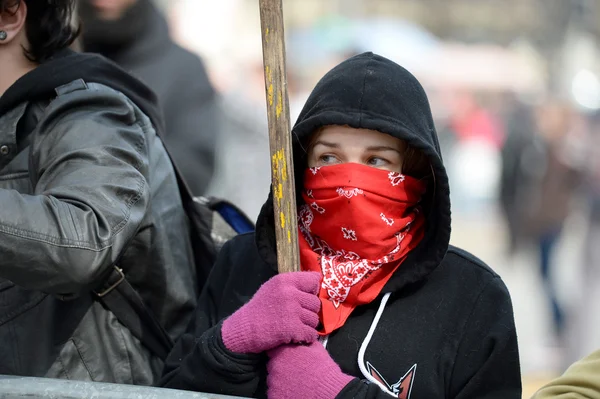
(514, 86)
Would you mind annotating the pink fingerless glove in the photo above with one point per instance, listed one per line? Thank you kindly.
(284, 310)
(304, 371)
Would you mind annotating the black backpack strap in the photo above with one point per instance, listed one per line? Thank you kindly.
(125, 303)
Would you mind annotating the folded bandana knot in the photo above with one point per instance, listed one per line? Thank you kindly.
(357, 226)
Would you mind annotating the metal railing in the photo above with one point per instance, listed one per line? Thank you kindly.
(27, 387)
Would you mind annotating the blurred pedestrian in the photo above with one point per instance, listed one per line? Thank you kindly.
(474, 161)
(515, 179)
(471, 121)
(546, 167)
(135, 35)
(557, 160)
(91, 219)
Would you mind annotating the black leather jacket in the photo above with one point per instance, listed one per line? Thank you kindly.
(84, 182)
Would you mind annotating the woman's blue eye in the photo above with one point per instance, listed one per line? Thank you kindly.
(327, 159)
(375, 161)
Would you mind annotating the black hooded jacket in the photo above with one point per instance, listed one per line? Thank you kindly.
(140, 43)
(85, 183)
(446, 328)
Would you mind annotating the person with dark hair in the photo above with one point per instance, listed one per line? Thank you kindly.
(48, 28)
(135, 35)
(90, 208)
(383, 306)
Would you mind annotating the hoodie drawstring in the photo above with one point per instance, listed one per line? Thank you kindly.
(365, 344)
(324, 340)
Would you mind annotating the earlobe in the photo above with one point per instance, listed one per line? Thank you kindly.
(12, 21)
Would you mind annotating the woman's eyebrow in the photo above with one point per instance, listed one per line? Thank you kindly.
(326, 144)
(383, 148)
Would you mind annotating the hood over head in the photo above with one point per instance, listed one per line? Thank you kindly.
(371, 92)
(67, 66)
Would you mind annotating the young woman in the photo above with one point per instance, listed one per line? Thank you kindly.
(383, 307)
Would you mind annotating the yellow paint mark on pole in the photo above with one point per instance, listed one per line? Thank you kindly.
(270, 94)
(284, 172)
(279, 167)
(277, 194)
(279, 108)
(289, 232)
(282, 217)
(270, 88)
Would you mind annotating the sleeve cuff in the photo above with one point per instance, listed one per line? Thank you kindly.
(247, 359)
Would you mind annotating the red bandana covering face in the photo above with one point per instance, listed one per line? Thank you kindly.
(358, 225)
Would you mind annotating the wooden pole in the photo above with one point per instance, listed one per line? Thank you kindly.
(280, 139)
